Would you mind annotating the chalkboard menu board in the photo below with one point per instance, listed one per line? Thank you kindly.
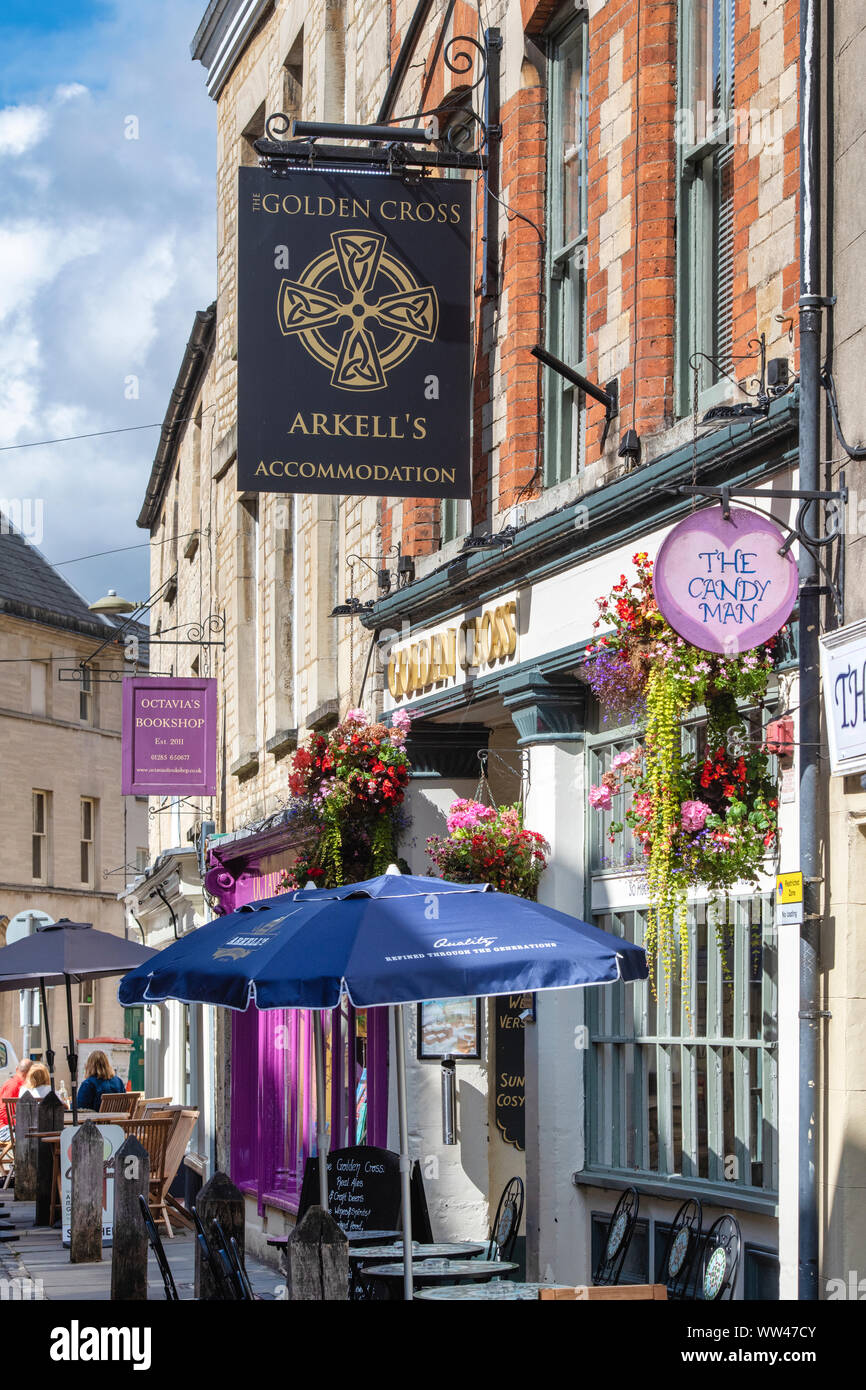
(363, 1188)
(508, 1034)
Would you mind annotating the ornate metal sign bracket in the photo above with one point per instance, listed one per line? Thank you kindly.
(836, 501)
(405, 151)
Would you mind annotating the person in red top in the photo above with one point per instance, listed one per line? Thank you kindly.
(12, 1088)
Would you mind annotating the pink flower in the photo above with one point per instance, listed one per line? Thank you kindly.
(357, 716)
(622, 758)
(465, 815)
(401, 720)
(694, 815)
(600, 798)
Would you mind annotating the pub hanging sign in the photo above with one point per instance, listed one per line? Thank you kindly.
(354, 311)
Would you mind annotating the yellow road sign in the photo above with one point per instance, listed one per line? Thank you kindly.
(789, 888)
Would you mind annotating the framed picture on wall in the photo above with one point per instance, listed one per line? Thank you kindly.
(449, 1028)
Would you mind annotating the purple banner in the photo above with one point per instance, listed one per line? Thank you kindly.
(169, 736)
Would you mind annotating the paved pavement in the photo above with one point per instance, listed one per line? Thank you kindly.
(39, 1255)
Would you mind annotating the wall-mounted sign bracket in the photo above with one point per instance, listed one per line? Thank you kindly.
(834, 588)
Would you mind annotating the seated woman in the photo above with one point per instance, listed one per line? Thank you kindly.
(38, 1082)
(99, 1078)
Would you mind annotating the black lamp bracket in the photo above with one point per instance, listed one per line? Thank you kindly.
(608, 395)
(756, 386)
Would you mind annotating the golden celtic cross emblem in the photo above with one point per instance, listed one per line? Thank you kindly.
(339, 311)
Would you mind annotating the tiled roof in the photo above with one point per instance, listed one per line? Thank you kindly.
(32, 588)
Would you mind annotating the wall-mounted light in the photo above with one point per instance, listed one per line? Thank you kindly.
(497, 540)
(351, 608)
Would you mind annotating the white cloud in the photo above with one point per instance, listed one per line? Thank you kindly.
(107, 249)
(70, 91)
(22, 127)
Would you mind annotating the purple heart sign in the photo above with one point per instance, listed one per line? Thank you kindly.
(722, 585)
(169, 736)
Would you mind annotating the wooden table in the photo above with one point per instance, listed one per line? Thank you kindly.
(506, 1290)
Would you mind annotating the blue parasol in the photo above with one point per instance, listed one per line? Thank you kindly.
(392, 940)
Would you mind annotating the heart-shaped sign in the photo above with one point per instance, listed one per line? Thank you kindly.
(723, 584)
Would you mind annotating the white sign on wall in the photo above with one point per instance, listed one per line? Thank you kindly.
(843, 676)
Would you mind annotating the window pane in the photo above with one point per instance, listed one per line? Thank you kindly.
(572, 153)
(38, 813)
(37, 856)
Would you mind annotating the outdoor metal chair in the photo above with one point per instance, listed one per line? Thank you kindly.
(506, 1222)
(156, 1246)
(618, 1238)
(720, 1260)
(233, 1264)
(683, 1245)
(119, 1103)
(212, 1259)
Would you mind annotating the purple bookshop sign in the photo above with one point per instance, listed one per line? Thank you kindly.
(169, 736)
(723, 585)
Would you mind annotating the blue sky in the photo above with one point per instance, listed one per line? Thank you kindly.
(107, 248)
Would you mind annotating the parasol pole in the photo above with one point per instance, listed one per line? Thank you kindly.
(321, 1111)
(49, 1051)
(405, 1166)
(71, 1054)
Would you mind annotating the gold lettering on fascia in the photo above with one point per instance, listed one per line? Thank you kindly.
(389, 210)
(480, 641)
(357, 472)
(344, 425)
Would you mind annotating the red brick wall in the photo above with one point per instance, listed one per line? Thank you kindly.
(636, 286)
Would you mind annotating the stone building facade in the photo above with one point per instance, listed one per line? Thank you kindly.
(645, 226)
(72, 841)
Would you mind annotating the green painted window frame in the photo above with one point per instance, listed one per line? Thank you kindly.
(642, 1054)
(704, 160)
(565, 262)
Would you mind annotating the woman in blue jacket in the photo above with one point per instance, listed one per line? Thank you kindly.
(99, 1078)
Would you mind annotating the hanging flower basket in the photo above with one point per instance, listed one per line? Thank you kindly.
(347, 785)
(707, 821)
(489, 844)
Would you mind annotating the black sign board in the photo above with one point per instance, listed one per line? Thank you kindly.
(354, 313)
(509, 1087)
(363, 1188)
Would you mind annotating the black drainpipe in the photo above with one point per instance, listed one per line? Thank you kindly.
(811, 306)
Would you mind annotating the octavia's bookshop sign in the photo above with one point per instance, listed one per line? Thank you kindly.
(169, 736)
(723, 583)
(354, 296)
